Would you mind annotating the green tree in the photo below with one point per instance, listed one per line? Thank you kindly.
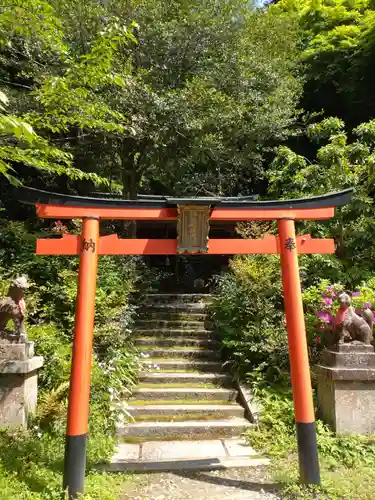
(31, 40)
(191, 99)
(337, 38)
(340, 163)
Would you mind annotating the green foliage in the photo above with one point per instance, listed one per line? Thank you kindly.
(77, 98)
(345, 461)
(183, 98)
(31, 464)
(30, 35)
(340, 163)
(337, 39)
(247, 309)
(19, 144)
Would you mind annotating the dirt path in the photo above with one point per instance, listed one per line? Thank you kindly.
(237, 484)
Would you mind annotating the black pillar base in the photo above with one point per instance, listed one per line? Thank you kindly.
(75, 465)
(308, 453)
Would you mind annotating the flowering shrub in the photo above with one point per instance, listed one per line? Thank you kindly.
(321, 307)
(248, 311)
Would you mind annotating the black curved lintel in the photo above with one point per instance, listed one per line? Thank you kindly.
(33, 196)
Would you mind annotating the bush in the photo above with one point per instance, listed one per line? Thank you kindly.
(248, 311)
(248, 314)
(347, 463)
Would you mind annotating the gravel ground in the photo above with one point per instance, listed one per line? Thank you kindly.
(237, 484)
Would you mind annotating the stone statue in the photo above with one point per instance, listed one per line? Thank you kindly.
(348, 321)
(13, 307)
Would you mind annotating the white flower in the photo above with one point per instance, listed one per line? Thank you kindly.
(110, 390)
(40, 434)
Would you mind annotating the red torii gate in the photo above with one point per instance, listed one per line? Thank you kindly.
(198, 213)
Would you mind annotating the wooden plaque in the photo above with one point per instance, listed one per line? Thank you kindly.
(193, 228)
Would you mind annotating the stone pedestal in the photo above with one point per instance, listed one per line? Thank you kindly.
(18, 381)
(346, 388)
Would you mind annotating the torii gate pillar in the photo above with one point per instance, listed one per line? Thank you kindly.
(298, 355)
(79, 394)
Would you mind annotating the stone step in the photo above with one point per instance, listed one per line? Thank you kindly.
(194, 378)
(185, 364)
(198, 464)
(173, 324)
(184, 307)
(184, 455)
(176, 341)
(162, 298)
(182, 353)
(194, 411)
(174, 333)
(173, 316)
(185, 430)
(197, 394)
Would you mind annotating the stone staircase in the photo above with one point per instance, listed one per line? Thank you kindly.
(184, 401)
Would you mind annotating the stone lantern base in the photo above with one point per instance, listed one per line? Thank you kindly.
(18, 381)
(346, 388)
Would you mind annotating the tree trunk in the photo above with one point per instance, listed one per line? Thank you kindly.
(129, 191)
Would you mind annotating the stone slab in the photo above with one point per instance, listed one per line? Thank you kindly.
(354, 407)
(126, 451)
(202, 366)
(13, 351)
(353, 347)
(171, 410)
(197, 394)
(238, 447)
(217, 463)
(348, 359)
(252, 410)
(347, 405)
(336, 373)
(20, 367)
(166, 450)
(187, 430)
(185, 377)
(18, 397)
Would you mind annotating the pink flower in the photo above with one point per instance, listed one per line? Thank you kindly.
(367, 305)
(331, 291)
(327, 300)
(356, 294)
(324, 316)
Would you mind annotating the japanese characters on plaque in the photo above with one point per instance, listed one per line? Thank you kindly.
(193, 228)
